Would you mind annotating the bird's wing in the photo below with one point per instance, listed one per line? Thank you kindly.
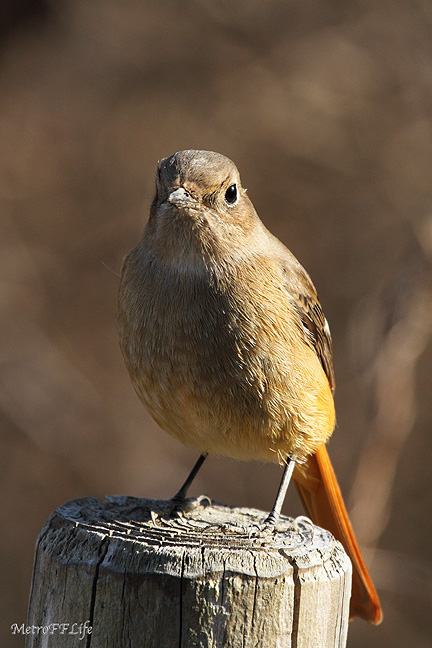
(304, 298)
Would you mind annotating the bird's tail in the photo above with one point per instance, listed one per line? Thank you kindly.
(322, 499)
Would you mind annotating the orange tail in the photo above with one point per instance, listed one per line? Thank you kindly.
(322, 499)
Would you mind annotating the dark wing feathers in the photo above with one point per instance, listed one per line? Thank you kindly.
(315, 327)
(317, 332)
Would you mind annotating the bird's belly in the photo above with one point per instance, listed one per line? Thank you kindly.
(230, 386)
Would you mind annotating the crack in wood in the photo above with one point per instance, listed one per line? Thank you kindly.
(103, 549)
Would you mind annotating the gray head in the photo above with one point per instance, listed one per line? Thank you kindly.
(199, 167)
(199, 203)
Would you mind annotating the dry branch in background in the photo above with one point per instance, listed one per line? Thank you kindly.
(403, 312)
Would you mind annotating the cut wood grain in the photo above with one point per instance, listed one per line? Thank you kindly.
(210, 577)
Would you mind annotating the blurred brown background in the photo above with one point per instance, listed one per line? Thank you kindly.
(327, 110)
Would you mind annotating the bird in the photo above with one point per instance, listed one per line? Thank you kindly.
(227, 345)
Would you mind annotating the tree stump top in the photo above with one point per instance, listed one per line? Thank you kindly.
(217, 537)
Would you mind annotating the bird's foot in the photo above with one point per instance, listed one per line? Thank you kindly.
(179, 505)
(265, 528)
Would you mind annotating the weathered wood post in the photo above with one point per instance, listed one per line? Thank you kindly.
(207, 578)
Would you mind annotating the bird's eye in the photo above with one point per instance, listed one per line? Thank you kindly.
(231, 194)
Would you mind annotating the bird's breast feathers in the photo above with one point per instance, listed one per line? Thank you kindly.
(221, 362)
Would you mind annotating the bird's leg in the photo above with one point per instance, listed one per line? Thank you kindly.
(286, 478)
(179, 498)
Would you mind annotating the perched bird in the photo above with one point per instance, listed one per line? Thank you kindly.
(227, 345)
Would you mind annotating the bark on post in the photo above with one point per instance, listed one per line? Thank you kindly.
(207, 578)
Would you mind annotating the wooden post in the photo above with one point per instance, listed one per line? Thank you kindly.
(206, 578)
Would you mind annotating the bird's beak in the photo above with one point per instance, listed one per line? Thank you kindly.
(181, 198)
